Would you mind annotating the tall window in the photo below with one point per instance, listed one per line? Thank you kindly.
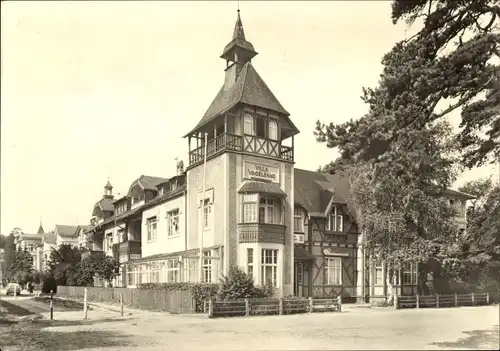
(207, 267)
(333, 266)
(273, 130)
(269, 267)
(250, 262)
(122, 235)
(409, 274)
(207, 214)
(379, 278)
(300, 274)
(298, 220)
(172, 271)
(151, 228)
(260, 127)
(250, 208)
(173, 222)
(248, 125)
(109, 241)
(269, 211)
(335, 221)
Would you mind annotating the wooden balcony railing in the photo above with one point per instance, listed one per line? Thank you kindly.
(261, 232)
(246, 143)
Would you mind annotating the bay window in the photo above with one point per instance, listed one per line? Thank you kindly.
(333, 267)
(335, 220)
(261, 209)
(269, 273)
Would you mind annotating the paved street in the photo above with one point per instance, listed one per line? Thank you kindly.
(457, 328)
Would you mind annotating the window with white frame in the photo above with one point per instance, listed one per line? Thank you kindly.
(151, 224)
(273, 130)
(379, 277)
(269, 210)
(333, 267)
(298, 219)
(269, 273)
(172, 271)
(409, 274)
(250, 262)
(31, 247)
(207, 214)
(173, 222)
(248, 127)
(207, 267)
(109, 241)
(250, 208)
(335, 220)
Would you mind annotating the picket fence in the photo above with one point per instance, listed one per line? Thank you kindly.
(439, 301)
(281, 306)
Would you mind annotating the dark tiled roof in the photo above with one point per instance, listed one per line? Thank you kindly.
(251, 186)
(49, 238)
(106, 204)
(67, 231)
(149, 182)
(165, 197)
(314, 191)
(300, 253)
(250, 89)
(32, 237)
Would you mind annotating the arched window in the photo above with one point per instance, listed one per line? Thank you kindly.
(273, 130)
(248, 125)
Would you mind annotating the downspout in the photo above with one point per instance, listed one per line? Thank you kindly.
(185, 219)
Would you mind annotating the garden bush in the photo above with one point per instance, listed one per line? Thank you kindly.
(49, 283)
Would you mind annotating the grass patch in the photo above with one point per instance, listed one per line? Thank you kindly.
(29, 335)
(71, 305)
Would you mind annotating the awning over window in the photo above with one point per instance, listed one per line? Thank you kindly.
(302, 255)
(250, 187)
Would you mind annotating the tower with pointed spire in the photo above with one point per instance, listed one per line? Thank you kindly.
(108, 190)
(248, 212)
(40, 228)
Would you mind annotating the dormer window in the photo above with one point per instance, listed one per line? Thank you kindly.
(335, 220)
(248, 125)
(273, 130)
(160, 191)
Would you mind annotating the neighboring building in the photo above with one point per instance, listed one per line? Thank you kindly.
(48, 243)
(292, 228)
(66, 234)
(3, 267)
(31, 243)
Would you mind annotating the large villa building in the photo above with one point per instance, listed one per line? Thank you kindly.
(247, 205)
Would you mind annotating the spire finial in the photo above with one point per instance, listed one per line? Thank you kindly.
(238, 27)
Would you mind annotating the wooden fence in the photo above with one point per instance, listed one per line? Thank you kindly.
(152, 300)
(438, 301)
(282, 306)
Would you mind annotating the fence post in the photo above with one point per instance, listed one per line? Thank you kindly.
(311, 304)
(473, 299)
(456, 300)
(15, 291)
(487, 298)
(281, 306)
(51, 304)
(437, 300)
(85, 303)
(210, 308)
(339, 299)
(418, 301)
(247, 308)
(121, 304)
(396, 302)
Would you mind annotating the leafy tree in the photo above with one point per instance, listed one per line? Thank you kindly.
(61, 259)
(97, 265)
(238, 285)
(451, 59)
(400, 157)
(21, 270)
(9, 247)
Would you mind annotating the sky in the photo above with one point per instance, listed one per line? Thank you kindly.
(92, 90)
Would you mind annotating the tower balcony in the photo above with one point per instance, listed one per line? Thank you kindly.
(246, 144)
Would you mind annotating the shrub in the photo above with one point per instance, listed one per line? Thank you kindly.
(238, 285)
(49, 283)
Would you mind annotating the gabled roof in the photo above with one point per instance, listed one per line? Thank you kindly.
(49, 238)
(316, 192)
(66, 231)
(148, 182)
(457, 193)
(249, 89)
